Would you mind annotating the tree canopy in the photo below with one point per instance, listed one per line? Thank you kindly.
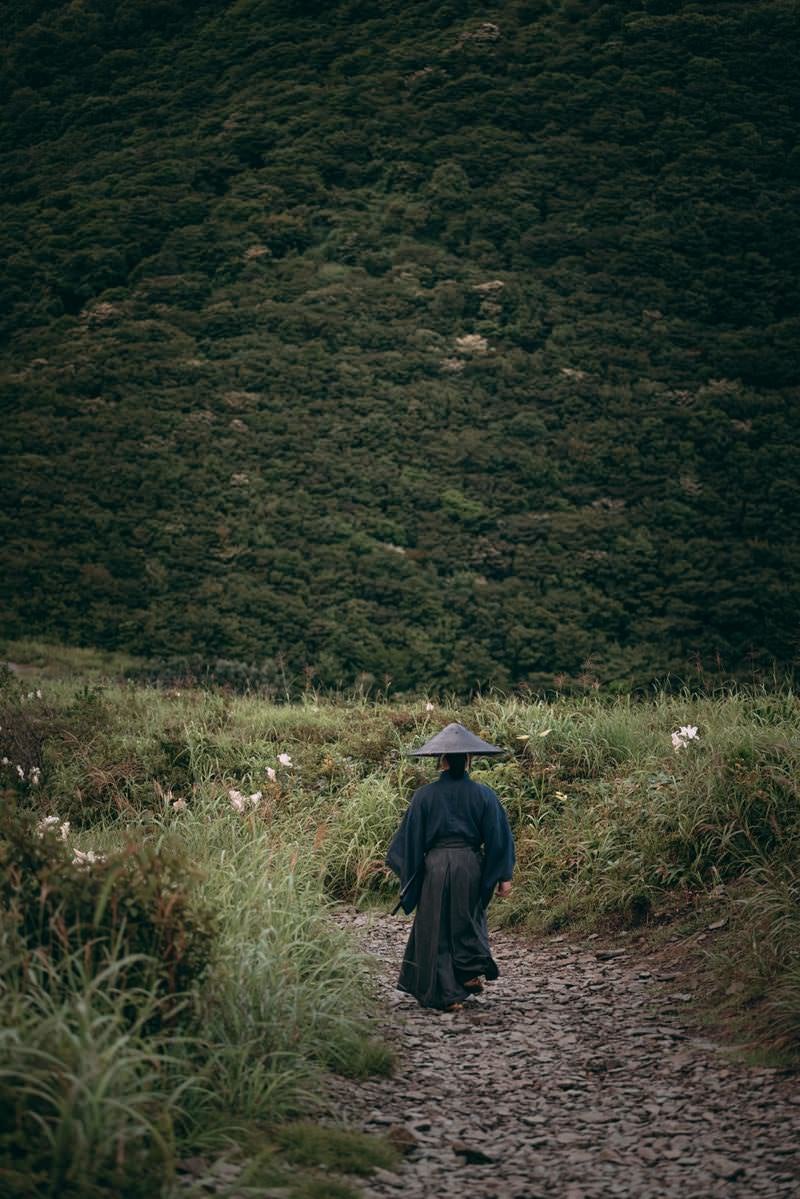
(435, 341)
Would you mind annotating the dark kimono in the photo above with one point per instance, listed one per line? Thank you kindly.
(452, 849)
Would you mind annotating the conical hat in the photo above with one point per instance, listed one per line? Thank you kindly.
(454, 739)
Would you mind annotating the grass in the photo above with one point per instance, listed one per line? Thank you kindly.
(612, 826)
(336, 1149)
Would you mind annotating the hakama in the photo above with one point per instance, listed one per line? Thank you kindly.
(449, 941)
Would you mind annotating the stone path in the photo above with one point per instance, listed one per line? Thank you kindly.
(571, 1078)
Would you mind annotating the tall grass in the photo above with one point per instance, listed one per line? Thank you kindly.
(90, 1099)
(99, 1103)
(288, 992)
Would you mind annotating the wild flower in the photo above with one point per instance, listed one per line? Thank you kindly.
(284, 759)
(6, 761)
(38, 693)
(53, 824)
(429, 706)
(271, 775)
(238, 801)
(86, 857)
(20, 772)
(36, 773)
(179, 805)
(685, 734)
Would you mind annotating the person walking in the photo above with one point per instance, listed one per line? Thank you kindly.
(453, 849)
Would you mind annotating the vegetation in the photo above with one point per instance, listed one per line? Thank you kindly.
(207, 1017)
(169, 979)
(446, 343)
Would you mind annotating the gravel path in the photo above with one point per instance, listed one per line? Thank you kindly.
(571, 1078)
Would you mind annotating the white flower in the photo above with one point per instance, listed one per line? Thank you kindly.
(6, 761)
(284, 759)
(429, 706)
(87, 857)
(38, 693)
(35, 775)
(255, 799)
(179, 805)
(271, 775)
(238, 801)
(53, 824)
(685, 734)
(20, 772)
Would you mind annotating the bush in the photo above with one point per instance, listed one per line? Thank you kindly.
(142, 903)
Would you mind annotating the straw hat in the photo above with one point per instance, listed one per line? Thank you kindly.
(454, 739)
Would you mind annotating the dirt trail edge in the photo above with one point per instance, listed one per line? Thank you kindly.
(571, 1078)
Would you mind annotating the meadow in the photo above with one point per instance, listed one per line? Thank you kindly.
(172, 980)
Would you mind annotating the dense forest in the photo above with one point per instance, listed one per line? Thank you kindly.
(438, 341)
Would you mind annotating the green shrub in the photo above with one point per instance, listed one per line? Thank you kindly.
(142, 903)
(89, 1100)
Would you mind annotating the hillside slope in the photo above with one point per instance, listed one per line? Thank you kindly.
(453, 343)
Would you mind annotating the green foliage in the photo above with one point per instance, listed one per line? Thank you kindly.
(343, 1151)
(352, 841)
(141, 904)
(190, 990)
(178, 984)
(242, 254)
(89, 1099)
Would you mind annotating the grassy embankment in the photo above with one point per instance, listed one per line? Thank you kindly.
(206, 1014)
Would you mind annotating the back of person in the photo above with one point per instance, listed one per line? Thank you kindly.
(453, 848)
(454, 808)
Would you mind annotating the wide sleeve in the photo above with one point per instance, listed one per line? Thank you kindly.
(406, 854)
(498, 846)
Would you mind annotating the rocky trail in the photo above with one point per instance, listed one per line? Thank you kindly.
(572, 1077)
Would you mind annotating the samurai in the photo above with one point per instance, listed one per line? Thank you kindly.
(453, 851)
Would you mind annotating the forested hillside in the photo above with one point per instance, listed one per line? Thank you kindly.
(451, 342)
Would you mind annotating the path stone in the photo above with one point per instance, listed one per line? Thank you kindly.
(569, 1076)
